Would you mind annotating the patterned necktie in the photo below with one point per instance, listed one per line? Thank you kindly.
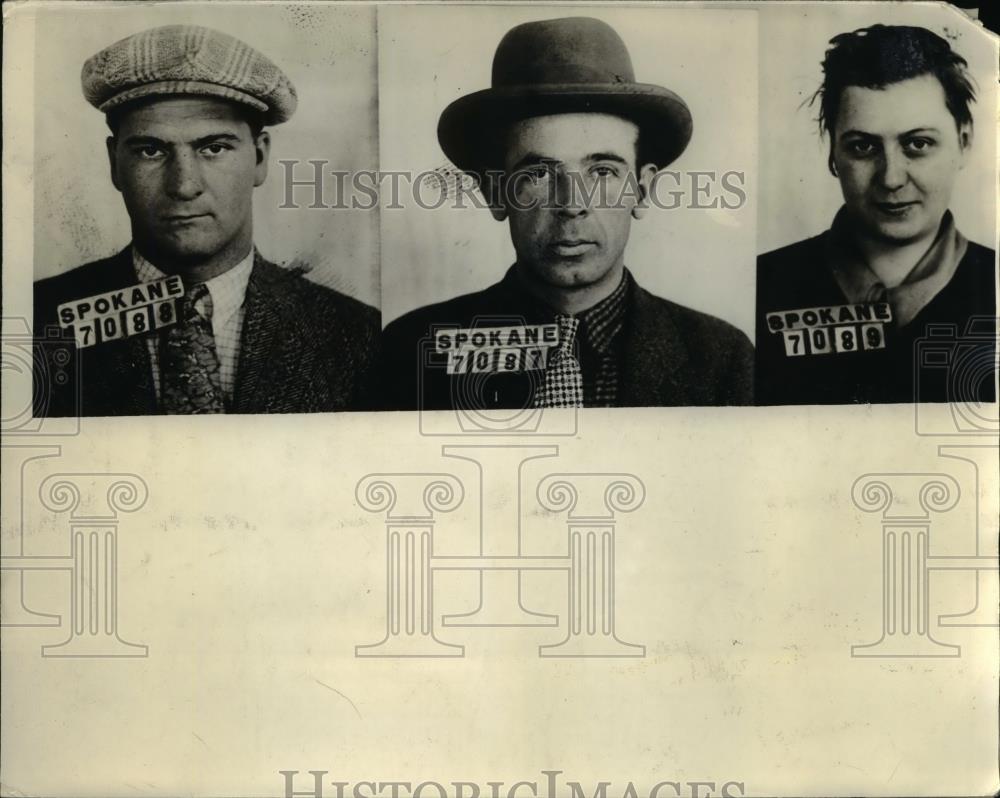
(189, 364)
(563, 379)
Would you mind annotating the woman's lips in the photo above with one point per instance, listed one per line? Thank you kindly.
(896, 208)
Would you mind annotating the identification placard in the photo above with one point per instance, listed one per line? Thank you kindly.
(489, 349)
(834, 329)
(134, 310)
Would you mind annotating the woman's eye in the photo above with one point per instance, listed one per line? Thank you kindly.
(861, 147)
(919, 145)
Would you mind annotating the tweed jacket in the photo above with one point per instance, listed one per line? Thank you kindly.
(304, 348)
(671, 356)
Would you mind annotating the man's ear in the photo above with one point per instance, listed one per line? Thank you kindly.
(262, 148)
(112, 144)
(492, 187)
(646, 175)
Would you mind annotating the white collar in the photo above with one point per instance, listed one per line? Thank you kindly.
(228, 290)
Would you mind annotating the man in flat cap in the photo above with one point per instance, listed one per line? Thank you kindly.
(565, 145)
(190, 318)
(892, 303)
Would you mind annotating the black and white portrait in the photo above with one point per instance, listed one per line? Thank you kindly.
(877, 210)
(596, 190)
(167, 156)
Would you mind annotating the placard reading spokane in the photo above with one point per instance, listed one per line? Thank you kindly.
(832, 329)
(133, 310)
(480, 349)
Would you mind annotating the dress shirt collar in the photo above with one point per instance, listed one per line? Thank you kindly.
(925, 280)
(227, 290)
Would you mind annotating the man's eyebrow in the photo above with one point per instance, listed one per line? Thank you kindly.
(606, 156)
(533, 159)
(144, 140)
(201, 141)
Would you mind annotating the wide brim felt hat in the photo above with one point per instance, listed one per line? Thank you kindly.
(572, 65)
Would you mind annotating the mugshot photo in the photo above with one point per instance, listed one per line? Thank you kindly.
(877, 230)
(178, 267)
(579, 182)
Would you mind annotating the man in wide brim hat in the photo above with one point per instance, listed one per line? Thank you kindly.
(564, 126)
(562, 66)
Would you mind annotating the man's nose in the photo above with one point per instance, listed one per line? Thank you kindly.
(893, 170)
(184, 180)
(570, 194)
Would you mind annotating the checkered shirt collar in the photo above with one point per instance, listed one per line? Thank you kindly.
(599, 324)
(227, 290)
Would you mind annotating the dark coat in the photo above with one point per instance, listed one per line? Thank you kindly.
(305, 348)
(672, 356)
(798, 276)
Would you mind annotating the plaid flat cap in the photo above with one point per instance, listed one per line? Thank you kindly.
(187, 59)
